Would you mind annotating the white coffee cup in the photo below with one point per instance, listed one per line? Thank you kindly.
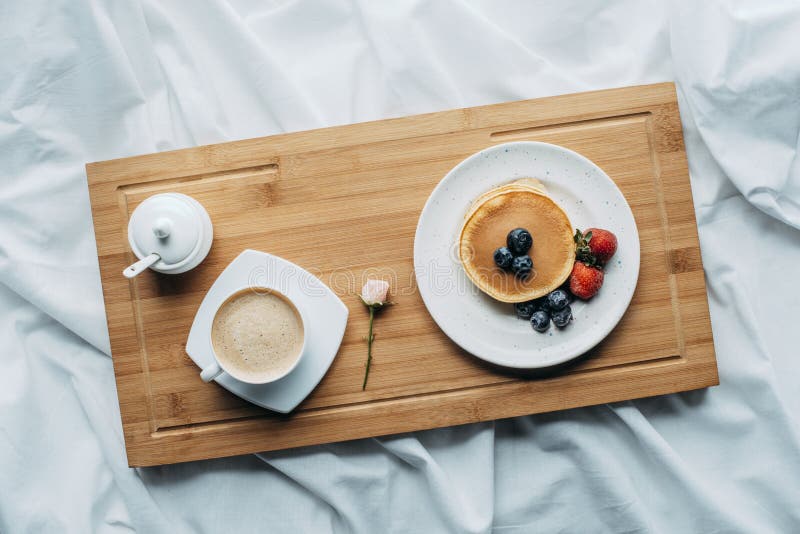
(217, 367)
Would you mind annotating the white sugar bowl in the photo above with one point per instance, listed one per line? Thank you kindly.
(169, 233)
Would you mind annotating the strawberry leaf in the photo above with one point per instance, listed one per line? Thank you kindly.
(582, 251)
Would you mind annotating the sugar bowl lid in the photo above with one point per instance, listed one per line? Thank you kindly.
(174, 226)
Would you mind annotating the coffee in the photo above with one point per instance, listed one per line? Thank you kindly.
(257, 335)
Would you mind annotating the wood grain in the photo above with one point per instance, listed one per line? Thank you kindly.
(334, 186)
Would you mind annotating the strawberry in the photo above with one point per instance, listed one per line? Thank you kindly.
(585, 280)
(595, 247)
(602, 243)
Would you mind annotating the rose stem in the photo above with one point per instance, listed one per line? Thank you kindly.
(369, 347)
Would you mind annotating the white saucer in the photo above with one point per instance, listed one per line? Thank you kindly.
(490, 329)
(325, 317)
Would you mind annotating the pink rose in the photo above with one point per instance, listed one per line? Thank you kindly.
(374, 292)
(373, 295)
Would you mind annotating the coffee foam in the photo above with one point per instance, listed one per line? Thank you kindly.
(257, 335)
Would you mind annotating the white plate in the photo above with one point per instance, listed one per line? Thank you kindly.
(324, 314)
(490, 329)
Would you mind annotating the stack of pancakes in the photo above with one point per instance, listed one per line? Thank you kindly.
(520, 204)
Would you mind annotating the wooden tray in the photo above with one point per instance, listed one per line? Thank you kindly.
(340, 201)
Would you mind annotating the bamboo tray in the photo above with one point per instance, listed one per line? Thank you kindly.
(337, 187)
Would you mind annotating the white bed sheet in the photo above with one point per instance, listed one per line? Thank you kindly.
(86, 81)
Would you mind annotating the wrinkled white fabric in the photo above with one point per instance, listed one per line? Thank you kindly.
(86, 81)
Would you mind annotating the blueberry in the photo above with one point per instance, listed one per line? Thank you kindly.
(540, 321)
(519, 241)
(503, 258)
(565, 288)
(522, 266)
(525, 309)
(542, 304)
(558, 299)
(562, 317)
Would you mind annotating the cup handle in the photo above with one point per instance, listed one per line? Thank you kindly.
(211, 371)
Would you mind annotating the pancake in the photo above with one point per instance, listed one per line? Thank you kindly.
(522, 183)
(520, 204)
